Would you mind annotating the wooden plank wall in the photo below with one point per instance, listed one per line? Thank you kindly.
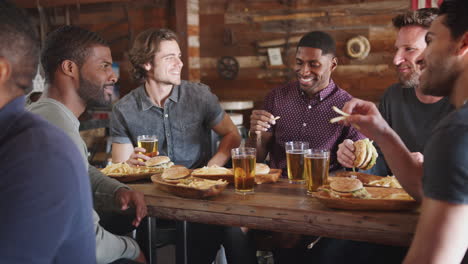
(233, 28)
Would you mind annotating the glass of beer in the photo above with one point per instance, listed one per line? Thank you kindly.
(316, 163)
(295, 160)
(149, 143)
(243, 164)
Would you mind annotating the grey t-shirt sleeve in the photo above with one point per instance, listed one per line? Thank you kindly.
(446, 165)
(110, 247)
(214, 112)
(118, 127)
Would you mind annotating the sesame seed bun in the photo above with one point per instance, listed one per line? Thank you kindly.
(158, 160)
(261, 168)
(175, 174)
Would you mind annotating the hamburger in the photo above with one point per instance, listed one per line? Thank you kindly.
(366, 154)
(175, 174)
(163, 162)
(342, 187)
(261, 168)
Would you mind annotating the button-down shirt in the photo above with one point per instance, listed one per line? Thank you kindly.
(182, 126)
(307, 119)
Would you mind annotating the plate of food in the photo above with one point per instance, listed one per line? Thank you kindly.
(126, 173)
(350, 194)
(263, 173)
(177, 181)
(369, 179)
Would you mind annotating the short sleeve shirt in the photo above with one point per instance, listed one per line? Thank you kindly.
(411, 119)
(307, 119)
(183, 125)
(445, 175)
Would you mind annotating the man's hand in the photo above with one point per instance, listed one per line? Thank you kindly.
(125, 198)
(345, 153)
(418, 157)
(365, 116)
(261, 121)
(136, 155)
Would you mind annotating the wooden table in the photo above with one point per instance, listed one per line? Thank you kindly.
(283, 207)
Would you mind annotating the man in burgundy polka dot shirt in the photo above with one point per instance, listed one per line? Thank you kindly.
(304, 106)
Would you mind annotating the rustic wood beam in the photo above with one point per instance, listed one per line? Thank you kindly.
(181, 28)
(57, 3)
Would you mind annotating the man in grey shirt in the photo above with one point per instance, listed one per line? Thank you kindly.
(77, 64)
(407, 110)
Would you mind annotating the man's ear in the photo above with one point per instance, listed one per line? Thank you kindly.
(5, 71)
(147, 66)
(334, 63)
(69, 68)
(463, 45)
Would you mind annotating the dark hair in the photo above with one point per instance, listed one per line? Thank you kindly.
(457, 16)
(144, 48)
(422, 17)
(68, 43)
(319, 40)
(19, 44)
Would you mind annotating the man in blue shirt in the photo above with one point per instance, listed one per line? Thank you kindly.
(45, 195)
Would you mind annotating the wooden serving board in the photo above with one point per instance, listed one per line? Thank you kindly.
(187, 192)
(381, 204)
(133, 177)
(271, 177)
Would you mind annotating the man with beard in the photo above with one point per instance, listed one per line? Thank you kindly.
(77, 64)
(46, 215)
(407, 110)
(304, 106)
(442, 233)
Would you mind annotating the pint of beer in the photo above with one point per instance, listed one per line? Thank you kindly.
(150, 143)
(243, 164)
(295, 160)
(316, 163)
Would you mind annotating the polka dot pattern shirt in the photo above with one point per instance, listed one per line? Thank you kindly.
(307, 119)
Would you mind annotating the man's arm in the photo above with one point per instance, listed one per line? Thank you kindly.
(441, 235)
(230, 139)
(121, 152)
(405, 167)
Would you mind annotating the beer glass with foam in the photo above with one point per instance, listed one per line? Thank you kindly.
(243, 164)
(316, 164)
(295, 160)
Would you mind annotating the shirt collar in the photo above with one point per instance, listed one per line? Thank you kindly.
(145, 101)
(322, 95)
(10, 111)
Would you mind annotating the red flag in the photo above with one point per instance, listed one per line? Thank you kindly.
(416, 4)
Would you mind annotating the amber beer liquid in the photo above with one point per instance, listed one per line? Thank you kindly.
(149, 143)
(295, 165)
(243, 165)
(244, 173)
(151, 147)
(316, 167)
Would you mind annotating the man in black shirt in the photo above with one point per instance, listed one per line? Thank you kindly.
(442, 233)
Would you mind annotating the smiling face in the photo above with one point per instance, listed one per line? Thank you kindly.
(440, 68)
(97, 77)
(166, 66)
(313, 69)
(410, 43)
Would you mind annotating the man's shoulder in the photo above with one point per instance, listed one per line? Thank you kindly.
(130, 99)
(341, 94)
(194, 88)
(40, 135)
